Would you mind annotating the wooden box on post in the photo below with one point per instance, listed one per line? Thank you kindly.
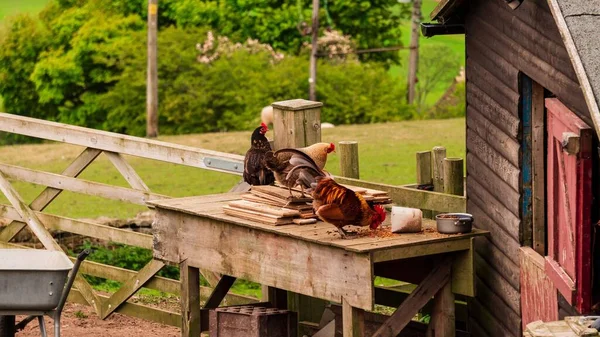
(248, 321)
(296, 123)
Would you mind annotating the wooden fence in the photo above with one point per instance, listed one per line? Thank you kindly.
(115, 146)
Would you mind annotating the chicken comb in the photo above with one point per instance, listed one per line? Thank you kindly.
(265, 127)
(331, 148)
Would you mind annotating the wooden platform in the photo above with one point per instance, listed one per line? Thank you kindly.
(211, 206)
(311, 260)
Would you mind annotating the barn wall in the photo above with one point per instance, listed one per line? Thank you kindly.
(500, 44)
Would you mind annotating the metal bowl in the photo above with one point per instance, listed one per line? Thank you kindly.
(454, 223)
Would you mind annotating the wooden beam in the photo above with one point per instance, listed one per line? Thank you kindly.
(130, 287)
(49, 194)
(412, 197)
(443, 314)
(135, 310)
(85, 228)
(296, 123)
(126, 145)
(219, 292)
(127, 171)
(437, 278)
(539, 161)
(353, 320)
(190, 300)
(79, 185)
(453, 176)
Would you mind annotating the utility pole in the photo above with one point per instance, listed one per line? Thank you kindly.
(152, 71)
(312, 80)
(413, 62)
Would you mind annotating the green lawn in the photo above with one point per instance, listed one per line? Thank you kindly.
(11, 7)
(387, 154)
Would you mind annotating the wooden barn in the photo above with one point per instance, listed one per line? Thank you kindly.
(533, 88)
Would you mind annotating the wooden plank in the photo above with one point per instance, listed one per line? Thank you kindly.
(85, 228)
(130, 287)
(537, 15)
(80, 163)
(215, 245)
(219, 292)
(478, 100)
(536, 68)
(489, 204)
(495, 257)
(406, 252)
(506, 195)
(26, 214)
(463, 271)
(353, 320)
(127, 171)
(443, 313)
(498, 237)
(497, 284)
(504, 144)
(190, 300)
(114, 142)
(539, 299)
(79, 185)
(436, 279)
(136, 310)
(510, 319)
(494, 160)
(349, 159)
(502, 69)
(258, 207)
(488, 321)
(411, 197)
(508, 97)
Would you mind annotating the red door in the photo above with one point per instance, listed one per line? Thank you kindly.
(569, 197)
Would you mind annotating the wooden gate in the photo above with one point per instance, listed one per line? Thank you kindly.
(569, 197)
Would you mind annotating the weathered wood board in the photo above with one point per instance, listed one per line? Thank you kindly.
(539, 300)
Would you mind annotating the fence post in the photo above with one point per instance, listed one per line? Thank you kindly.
(453, 176)
(349, 167)
(296, 123)
(424, 176)
(437, 163)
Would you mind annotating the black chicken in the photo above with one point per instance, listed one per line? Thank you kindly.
(255, 171)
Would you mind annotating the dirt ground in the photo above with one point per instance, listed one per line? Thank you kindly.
(81, 321)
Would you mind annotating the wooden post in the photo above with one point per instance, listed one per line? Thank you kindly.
(296, 123)
(152, 72)
(190, 300)
(437, 169)
(424, 174)
(348, 151)
(453, 176)
(443, 313)
(353, 320)
(413, 62)
(312, 80)
(538, 145)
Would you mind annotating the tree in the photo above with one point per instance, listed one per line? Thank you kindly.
(436, 65)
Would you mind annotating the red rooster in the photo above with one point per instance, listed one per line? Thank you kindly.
(332, 202)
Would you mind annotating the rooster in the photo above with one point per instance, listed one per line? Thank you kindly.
(255, 171)
(279, 161)
(332, 202)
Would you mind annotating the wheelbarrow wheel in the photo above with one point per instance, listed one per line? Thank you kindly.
(7, 326)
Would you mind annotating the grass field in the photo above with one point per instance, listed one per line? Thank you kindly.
(386, 152)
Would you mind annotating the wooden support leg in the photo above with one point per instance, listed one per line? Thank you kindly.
(353, 320)
(277, 297)
(190, 300)
(442, 323)
(437, 279)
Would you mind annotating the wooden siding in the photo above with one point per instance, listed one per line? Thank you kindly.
(501, 44)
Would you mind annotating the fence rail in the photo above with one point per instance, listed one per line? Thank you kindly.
(115, 146)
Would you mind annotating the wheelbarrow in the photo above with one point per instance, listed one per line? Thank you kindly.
(35, 283)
